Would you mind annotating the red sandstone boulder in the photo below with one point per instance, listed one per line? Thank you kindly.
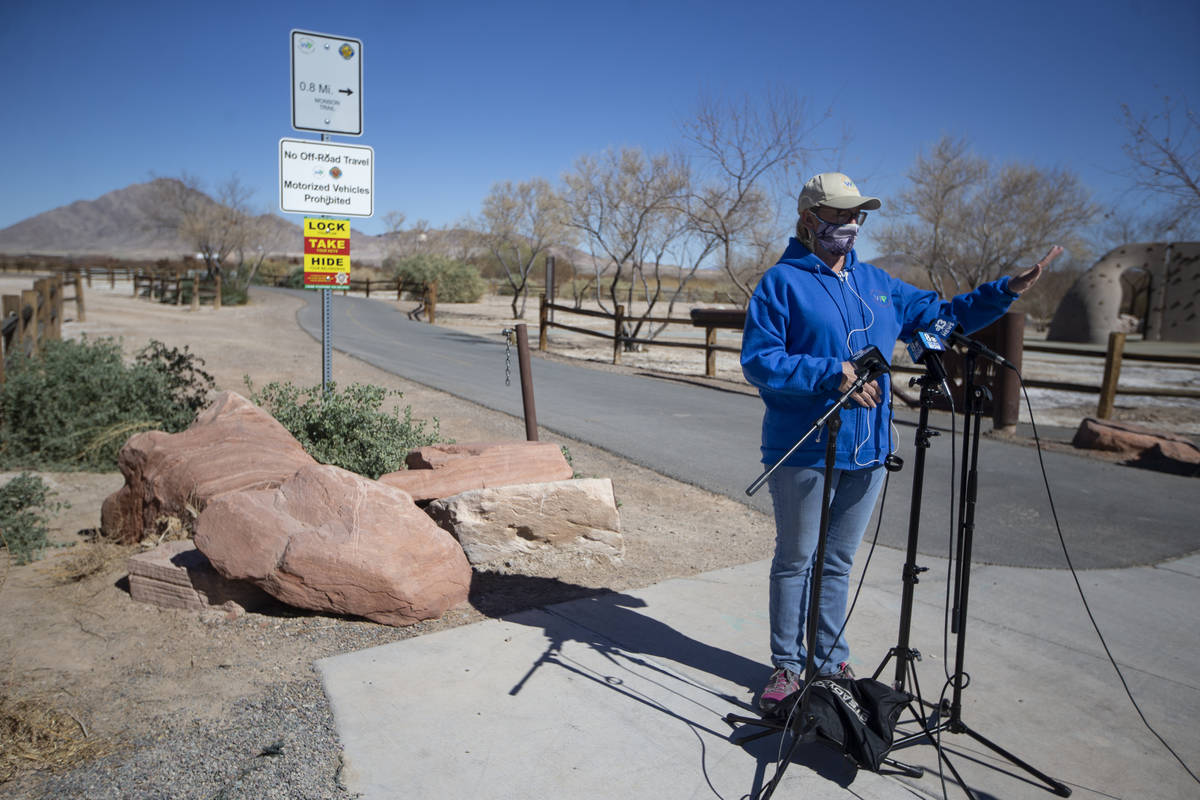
(232, 446)
(1121, 437)
(330, 540)
(177, 575)
(443, 470)
(1147, 448)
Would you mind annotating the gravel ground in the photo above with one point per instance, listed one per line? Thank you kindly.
(278, 745)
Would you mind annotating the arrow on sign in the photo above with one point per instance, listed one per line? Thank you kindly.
(346, 92)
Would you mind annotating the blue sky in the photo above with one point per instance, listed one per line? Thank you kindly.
(458, 96)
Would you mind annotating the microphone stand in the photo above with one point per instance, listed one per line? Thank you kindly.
(969, 487)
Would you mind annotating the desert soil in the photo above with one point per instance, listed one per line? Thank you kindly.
(120, 670)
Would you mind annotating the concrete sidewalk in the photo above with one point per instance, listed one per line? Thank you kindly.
(623, 695)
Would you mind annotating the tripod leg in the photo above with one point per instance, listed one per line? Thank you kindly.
(911, 770)
(797, 738)
(1060, 789)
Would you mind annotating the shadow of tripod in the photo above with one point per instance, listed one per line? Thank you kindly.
(947, 716)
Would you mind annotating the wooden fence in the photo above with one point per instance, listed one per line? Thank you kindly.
(620, 339)
(35, 316)
(713, 319)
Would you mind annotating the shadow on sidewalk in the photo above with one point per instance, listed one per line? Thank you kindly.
(626, 634)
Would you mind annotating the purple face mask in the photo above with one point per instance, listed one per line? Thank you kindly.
(837, 239)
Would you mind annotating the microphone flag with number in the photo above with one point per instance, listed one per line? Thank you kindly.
(950, 331)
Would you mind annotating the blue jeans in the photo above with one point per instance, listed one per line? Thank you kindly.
(796, 494)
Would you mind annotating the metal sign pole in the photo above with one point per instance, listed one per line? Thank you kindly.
(326, 329)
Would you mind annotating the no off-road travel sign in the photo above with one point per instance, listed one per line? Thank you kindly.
(326, 178)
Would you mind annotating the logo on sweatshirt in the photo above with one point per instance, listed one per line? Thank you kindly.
(882, 299)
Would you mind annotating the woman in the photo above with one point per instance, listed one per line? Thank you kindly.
(808, 315)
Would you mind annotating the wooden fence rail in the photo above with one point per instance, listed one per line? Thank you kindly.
(713, 319)
(31, 318)
(620, 339)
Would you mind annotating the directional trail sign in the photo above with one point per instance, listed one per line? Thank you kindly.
(326, 83)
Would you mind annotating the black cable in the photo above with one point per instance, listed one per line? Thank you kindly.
(1095, 625)
(950, 546)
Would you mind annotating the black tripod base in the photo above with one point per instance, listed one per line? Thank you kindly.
(1058, 787)
(931, 727)
(772, 725)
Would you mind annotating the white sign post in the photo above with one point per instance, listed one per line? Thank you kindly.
(326, 178)
(326, 83)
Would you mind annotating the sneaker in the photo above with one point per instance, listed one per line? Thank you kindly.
(783, 682)
(844, 672)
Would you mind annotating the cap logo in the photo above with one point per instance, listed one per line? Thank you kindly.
(849, 184)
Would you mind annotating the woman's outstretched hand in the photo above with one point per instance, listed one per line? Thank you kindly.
(1018, 284)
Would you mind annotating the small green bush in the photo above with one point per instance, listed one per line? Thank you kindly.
(294, 279)
(74, 405)
(347, 429)
(25, 509)
(457, 282)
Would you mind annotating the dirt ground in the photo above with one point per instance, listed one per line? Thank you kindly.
(83, 647)
(72, 639)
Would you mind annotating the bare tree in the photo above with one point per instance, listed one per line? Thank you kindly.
(1164, 157)
(213, 228)
(966, 222)
(745, 154)
(520, 223)
(265, 234)
(628, 208)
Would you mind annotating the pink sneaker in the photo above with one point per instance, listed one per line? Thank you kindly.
(783, 682)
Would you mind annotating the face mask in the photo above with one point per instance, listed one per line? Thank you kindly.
(837, 239)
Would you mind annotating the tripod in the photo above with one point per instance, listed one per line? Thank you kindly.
(968, 486)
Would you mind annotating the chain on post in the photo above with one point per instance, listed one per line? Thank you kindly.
(508, 343)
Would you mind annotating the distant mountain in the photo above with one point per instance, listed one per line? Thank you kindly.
(132, 223)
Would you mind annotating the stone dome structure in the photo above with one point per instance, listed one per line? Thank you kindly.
(1090, 310)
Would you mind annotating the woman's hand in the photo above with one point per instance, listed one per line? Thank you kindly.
(1018, 284)
(868, 396)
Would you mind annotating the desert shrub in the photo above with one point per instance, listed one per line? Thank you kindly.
(348, 429)
(457, 282)
(25, 509)
(294, 279)
(233, 293)
(74, 405)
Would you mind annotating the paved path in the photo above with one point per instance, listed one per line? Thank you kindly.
(1111, 515)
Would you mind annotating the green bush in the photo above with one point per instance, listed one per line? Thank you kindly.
(25, 510)
(457, 282)
(294, 279)
(347, 429)
(75, 404)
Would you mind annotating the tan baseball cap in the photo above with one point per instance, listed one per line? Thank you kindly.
(834, 190)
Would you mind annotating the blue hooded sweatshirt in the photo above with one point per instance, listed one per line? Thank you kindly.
(804, 320)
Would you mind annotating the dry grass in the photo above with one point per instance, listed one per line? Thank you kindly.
(85, 560)
(36, 735)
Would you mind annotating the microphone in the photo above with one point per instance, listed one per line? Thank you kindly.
(925, 348)
(951, 331)
(869, 363)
